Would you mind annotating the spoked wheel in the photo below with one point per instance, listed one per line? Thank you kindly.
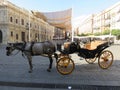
(105, 59)
(65, 65)
(91, 60)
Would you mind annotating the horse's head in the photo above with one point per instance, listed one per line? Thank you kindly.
(14, 46)
(10, 48)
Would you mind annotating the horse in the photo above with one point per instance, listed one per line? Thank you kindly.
(29, 49)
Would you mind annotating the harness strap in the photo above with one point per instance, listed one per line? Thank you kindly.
(31, 48)
(15, 53)
(23, 48)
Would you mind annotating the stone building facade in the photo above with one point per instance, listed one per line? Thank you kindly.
(107, 19)
(18, 25)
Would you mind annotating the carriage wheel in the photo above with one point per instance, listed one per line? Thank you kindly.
(65, 65)
(105, 59)
(91, 60)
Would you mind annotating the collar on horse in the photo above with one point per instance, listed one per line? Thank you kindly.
(22, 49)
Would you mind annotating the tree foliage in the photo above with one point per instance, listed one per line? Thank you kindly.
(115, 32)
(106, 32)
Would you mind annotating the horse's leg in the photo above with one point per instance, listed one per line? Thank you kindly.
(30, 63)
(50, 65)
(56, 56)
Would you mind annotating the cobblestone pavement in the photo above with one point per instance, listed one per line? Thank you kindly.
(14, 74)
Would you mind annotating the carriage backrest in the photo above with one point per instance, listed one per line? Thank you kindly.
(72, 47)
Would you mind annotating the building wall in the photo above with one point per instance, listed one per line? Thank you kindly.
(86, 25)
(18, 24)
(107, 19)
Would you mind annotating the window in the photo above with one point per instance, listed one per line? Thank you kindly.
(22, 21)
(11, 19)
(17, 36)
(107, 15)
(23, 36)
(36, 35)
(27, 26)
(11, 33)
(16, 21)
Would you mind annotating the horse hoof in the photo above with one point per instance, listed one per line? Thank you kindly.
(30, 71)
(48, 70)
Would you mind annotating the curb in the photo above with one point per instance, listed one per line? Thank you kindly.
(58, 86)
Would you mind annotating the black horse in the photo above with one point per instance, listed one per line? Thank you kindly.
(30, 49)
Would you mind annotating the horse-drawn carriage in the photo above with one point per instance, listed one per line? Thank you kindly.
(65, 65)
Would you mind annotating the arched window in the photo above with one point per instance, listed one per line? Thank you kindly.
(11, 33)
(16, 21)
(11, 19)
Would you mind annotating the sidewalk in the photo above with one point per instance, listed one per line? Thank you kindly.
(14, 72)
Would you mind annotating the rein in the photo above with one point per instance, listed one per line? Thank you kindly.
(22, 49)
(15, 53)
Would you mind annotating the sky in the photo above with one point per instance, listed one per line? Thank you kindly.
(80, 7)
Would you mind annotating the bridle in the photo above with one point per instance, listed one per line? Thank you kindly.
(15, 47)
(10, 49)
(15, 53)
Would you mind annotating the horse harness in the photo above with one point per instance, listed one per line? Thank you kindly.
(31, 47)
(46, 50)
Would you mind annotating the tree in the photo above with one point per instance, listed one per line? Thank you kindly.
(116, 32)
(106, 32)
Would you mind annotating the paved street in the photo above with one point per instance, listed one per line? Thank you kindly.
(14, 74)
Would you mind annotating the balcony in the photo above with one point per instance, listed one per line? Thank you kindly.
(108, 17)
